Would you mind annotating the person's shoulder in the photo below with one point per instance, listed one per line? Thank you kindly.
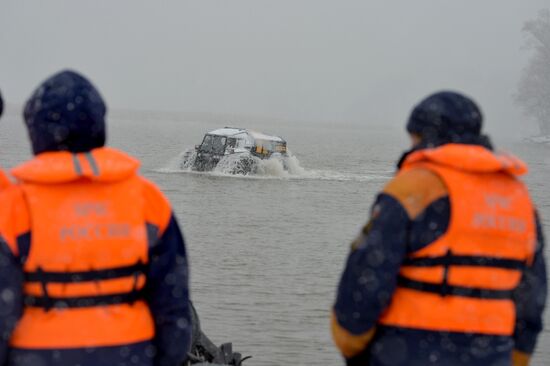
(151, 190)
(4, 180)
(14, 215)
(157, 207)
(12, 197)
(416, 189)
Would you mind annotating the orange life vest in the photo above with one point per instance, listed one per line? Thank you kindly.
(463, 282)
(4, 180)
(84, 273)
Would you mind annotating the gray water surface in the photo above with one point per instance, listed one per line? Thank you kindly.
(266, 252)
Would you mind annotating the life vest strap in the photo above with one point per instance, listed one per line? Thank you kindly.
(465, 260)
(47, 302)
(444, 289)
(85, 276)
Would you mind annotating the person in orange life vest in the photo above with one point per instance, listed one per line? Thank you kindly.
(450, 269)
(93, 267)
(4, 181)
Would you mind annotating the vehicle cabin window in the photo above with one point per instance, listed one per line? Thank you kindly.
(207, 140)
(213, 144)
(280, 147)
(241, 143)
(231, 142)
(262, 146)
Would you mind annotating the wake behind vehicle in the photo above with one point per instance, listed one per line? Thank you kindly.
(241, 149)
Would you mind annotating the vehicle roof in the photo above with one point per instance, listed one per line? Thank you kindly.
(232, 131)
(227, 131)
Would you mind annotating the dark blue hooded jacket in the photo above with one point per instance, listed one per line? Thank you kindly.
(66, 113)
(370, 275)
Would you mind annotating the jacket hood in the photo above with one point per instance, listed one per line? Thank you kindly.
(65, 113)
(469, 158)
(444, 117)
(102, 165)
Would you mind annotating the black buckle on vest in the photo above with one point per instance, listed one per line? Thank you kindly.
(446, 268)
(48, 303)
(134, 293)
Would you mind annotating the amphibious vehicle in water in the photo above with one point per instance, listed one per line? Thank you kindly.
(243, 148)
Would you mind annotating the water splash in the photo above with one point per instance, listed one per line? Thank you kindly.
(540, 139)
(187, 159)
(236, 164)
(276, 167)
(180, 163)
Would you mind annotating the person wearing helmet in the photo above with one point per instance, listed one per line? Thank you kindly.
(450, 269)
(93, 267)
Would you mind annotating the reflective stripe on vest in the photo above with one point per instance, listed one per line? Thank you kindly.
(463, 282)
(84, 274)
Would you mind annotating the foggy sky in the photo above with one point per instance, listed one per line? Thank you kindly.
(342, 61)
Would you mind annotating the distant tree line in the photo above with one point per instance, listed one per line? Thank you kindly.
(533, 93)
